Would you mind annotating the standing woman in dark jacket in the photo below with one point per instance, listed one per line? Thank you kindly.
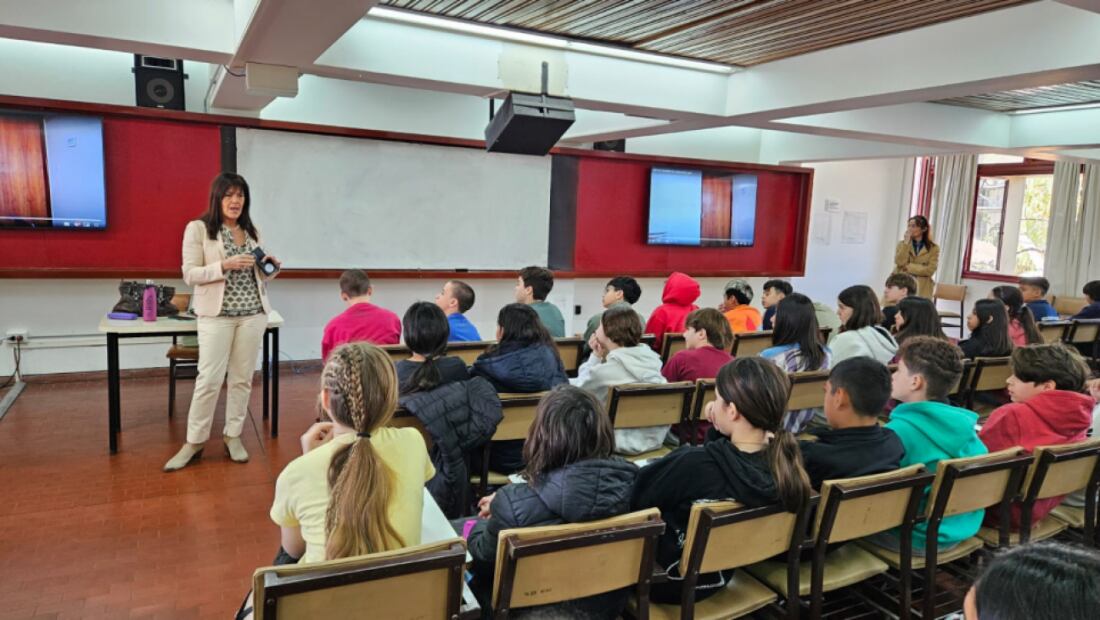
(426, 333)
(750, 459)
(571, 477)
(524, 360)
(988, 325)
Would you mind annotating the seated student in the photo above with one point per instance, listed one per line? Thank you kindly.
(1034, 291)
(426, 330)
(749, 459)
(861, 334)
(707, 338)
(898, 287)
(524, 360)
(827, 319)
(619, 291)
(1077, 499)
(774, 292)
(618, 357)
(855, 394)
(932, 430)
(1047, 408)
(677, 301)
(532, 287)
(1022, 330)
(455, 300)
(1092, 295)
(362, 321)
(796, 347)
(735, 305)
(917, 316)
(1037, 581)
(988, 325)
(571, 477)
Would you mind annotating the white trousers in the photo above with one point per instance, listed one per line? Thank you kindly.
(226, 344)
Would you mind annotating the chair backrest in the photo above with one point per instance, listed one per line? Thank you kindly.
(403, 418)
(638, 405)
(807, 390)
(852, 508)
(1066, 305)
(649, 340)
(414, 582)
(1063, 469)
(949, 292)
(964, 379)
(725, 535)
(672, 344)
(1084, 331)
(704, 395)
(182, 301)
(1053, 331)
(555, 563)
(990, 373)
(519, 411)
(972, 483)
(468, 352)
(569, 350)
(397, 352)
(748, 344)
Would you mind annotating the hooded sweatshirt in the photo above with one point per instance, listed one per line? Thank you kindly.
(636, 364)
(678, 297)
(872, 341)
(583, 491)
(933, 431)
(1050, 418)
(715, 471)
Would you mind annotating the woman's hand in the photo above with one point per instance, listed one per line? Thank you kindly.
(317, 435)
(708, 411)
(908, 236)
(240, 261)
(1094, 389)
(278, 263)
(483, 505)
(597, 348)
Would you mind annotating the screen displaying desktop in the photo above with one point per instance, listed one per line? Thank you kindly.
(701, 208)
(51, 171)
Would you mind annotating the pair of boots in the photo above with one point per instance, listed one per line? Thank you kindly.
(192, 451)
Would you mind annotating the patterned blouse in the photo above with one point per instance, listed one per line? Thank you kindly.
(242, 293)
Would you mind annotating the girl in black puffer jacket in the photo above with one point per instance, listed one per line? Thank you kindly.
(571, 476)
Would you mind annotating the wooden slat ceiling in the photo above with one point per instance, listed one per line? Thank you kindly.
(1032, 98)
(735, 32)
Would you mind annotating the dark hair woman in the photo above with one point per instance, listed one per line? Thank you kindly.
(861, 332)
(1038, 581)
(1022, 329)
(230, 301)
(918, 256)
(426, 333)
(988, 325)
(797, 347)
(917, 316)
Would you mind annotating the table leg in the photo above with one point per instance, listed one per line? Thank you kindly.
(275, 382)
(265, 365)
(114, 414)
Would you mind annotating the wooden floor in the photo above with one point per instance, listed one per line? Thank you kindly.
(84, 534)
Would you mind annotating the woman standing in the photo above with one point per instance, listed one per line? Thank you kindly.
(230, 300)
(918, 256)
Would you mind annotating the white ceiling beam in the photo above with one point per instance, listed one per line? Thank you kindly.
(1062, 129)
(1087, 5)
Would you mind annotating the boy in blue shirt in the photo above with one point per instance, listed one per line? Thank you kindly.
(1035, 291)
(1092, 294)
(454, 300)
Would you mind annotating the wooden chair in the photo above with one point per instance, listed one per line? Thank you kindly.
(704, 395)
(639, 405)
(519, 411)
(397, 352)
(403, 418)
(989, 374)
(570, 350)
(851, 509)
(723, 536)
(961, 486)
(1053, 331)
(649, 340)
(807, 390)
(951, 292)
(545, 565)
(466, 351)
(1056, 471)
(415, 582)
(672, 344)
(963, 386)
(1066, 305)
(1085, 333)
(181, 355)
(748, 344)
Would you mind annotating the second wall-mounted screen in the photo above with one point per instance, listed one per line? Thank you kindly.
(701, 208)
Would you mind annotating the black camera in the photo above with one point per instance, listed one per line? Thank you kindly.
(266, 266)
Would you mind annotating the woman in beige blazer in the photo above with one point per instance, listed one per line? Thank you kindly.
(230, 301)
(918, 256)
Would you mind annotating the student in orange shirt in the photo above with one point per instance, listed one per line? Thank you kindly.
(742, 317)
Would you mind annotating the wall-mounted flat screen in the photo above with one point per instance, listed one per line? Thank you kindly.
(701, 208)
(51, 172)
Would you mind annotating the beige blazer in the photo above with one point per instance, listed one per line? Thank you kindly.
(202, 270)
(921, 266)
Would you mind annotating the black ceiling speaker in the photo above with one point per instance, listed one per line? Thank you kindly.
(158, 82)
(618, 146)
(529, 124)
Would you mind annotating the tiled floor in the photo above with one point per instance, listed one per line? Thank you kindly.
(84, 534)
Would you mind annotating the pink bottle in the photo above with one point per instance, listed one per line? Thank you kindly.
(149, 302)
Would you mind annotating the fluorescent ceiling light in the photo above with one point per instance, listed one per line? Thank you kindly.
(1059, 108)
(507, 34)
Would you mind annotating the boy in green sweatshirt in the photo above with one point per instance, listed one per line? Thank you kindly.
(931, 429)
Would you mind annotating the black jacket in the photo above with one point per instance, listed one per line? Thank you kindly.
(716, 470)
(583, 491)
(518, 368)
(459, 416)
(850, 452)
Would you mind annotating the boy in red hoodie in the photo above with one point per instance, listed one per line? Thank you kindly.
(678, 298)
(1048, 408)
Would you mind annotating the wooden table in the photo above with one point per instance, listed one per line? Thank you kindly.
(167, 326)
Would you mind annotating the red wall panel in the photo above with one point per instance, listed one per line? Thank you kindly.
(612, 211)
(158, 176)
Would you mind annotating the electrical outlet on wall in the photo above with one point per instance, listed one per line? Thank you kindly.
(17, 334)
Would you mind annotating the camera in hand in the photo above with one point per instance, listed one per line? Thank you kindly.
(268, 267)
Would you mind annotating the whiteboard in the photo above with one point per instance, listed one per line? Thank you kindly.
(327, 202)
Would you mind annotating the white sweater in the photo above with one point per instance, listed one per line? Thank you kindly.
(871, 341)
(637, 364)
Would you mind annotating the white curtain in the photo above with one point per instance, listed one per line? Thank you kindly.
(1073, 234)
(956, 178)
(1088, 241)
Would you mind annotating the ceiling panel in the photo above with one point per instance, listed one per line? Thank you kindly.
(1074, 93)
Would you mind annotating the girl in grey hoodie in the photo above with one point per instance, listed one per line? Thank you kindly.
(861, 333)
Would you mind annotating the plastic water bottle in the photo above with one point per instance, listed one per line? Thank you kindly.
(149, 302)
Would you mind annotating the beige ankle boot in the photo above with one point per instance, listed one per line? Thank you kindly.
(235, 449)
(183, 458)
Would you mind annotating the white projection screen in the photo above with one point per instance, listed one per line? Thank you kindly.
(326, 202)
